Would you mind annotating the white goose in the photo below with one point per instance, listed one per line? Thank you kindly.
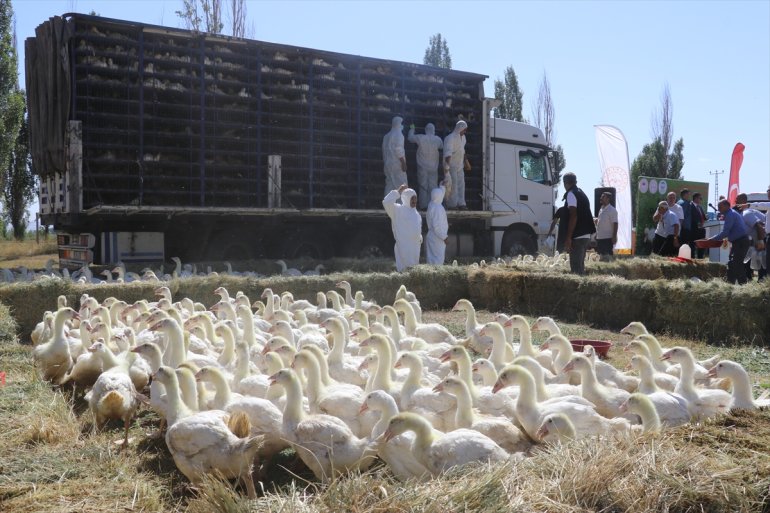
(436, 407)
(53, 358)
(113, 396)
(340, 400)
(641, 405)
(531, 413)
(556, 428)
(324, 443)
(606, 399)
(398, 452)
(742, 397)
(203, 443)
(432, 333)
(342, 367)
(671, 408)
(437, 452)
(499, 429)
(701, 402)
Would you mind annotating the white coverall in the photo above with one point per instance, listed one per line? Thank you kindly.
(438, 228)
(454, 149)
(406, 223)
(428, 146)
(394, 156)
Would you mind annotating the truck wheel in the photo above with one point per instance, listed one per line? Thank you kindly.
(307, 245)
(517, 242)
(229, 246)
(369, 245)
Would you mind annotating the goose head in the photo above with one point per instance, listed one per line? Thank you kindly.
(462, 305)
(401, 423)
(454, 353)
(635, 328)
(509, 375)
(677, 354)
(555, 426)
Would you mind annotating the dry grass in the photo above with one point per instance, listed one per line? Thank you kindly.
(12, 251)
(50, 460)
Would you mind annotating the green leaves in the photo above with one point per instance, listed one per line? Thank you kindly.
(437, 53)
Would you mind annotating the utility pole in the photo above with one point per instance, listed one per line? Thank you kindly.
(716, 184)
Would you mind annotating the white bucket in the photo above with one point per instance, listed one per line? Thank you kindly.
(685, 251)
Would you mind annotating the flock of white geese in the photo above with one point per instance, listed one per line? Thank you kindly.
(344, 381)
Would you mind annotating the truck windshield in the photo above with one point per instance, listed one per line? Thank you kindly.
(533, 166)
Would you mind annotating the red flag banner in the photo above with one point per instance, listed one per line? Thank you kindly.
(735, 169)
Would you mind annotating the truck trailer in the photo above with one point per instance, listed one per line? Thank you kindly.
(151, 142)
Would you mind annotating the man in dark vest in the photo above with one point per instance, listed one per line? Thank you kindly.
(580, 224)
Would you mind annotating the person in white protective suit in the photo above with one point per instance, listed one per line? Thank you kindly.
(394, 156)
(428, 147)
(454, 162)
(406, 223)
(438, 228)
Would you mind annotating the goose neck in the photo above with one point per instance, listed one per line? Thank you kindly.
(338, 349)
(464, 414)
(223, 394)
(176, 409)
(382, 378)
(742, 396)
(292, 411)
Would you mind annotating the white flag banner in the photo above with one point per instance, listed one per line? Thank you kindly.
(613, 159)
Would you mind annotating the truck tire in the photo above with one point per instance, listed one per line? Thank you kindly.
(369, 245)
(230, 245)
(517, 242)
(307, 245)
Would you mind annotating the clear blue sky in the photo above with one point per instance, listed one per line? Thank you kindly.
(607, 62)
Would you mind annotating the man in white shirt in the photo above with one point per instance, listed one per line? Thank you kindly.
(606, 227)
(674, 207)
(666, 242)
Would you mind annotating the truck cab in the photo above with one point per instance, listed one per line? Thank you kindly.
(521, 188)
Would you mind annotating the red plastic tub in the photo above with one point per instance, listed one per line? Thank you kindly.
(602, 346)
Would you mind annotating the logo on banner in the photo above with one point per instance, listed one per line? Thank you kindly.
(643, 185)
(662, 187)
(653, 187)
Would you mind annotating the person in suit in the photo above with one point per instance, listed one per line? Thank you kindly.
(698, 218)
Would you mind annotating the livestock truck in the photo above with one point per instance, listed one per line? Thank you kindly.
(151, 142)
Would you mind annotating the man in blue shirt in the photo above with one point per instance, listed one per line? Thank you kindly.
(736, 233)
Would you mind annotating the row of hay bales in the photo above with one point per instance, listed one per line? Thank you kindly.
(712, 311)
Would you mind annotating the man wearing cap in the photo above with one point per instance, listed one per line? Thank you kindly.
(666, 239)
(735, 231)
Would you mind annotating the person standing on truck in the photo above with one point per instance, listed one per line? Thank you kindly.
(455, 162)
(406, 223)
(580, 224)
(394, 156)
(428, 147)
(438, 228)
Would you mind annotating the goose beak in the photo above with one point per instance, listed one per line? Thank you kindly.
(508, 323)
(155, 326)
(365, 342)
(665, 356)
(712, 373)
(482, 332)
(567, 368)
(541, 432)
(92, 348)
(498, 386)
(628, 367)
(388, 435)
(544, 346)
(272, 380)
(623, 407)
(438, 388)
(364, 407)
(265, 350)
(446, 356)
(397, 365)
